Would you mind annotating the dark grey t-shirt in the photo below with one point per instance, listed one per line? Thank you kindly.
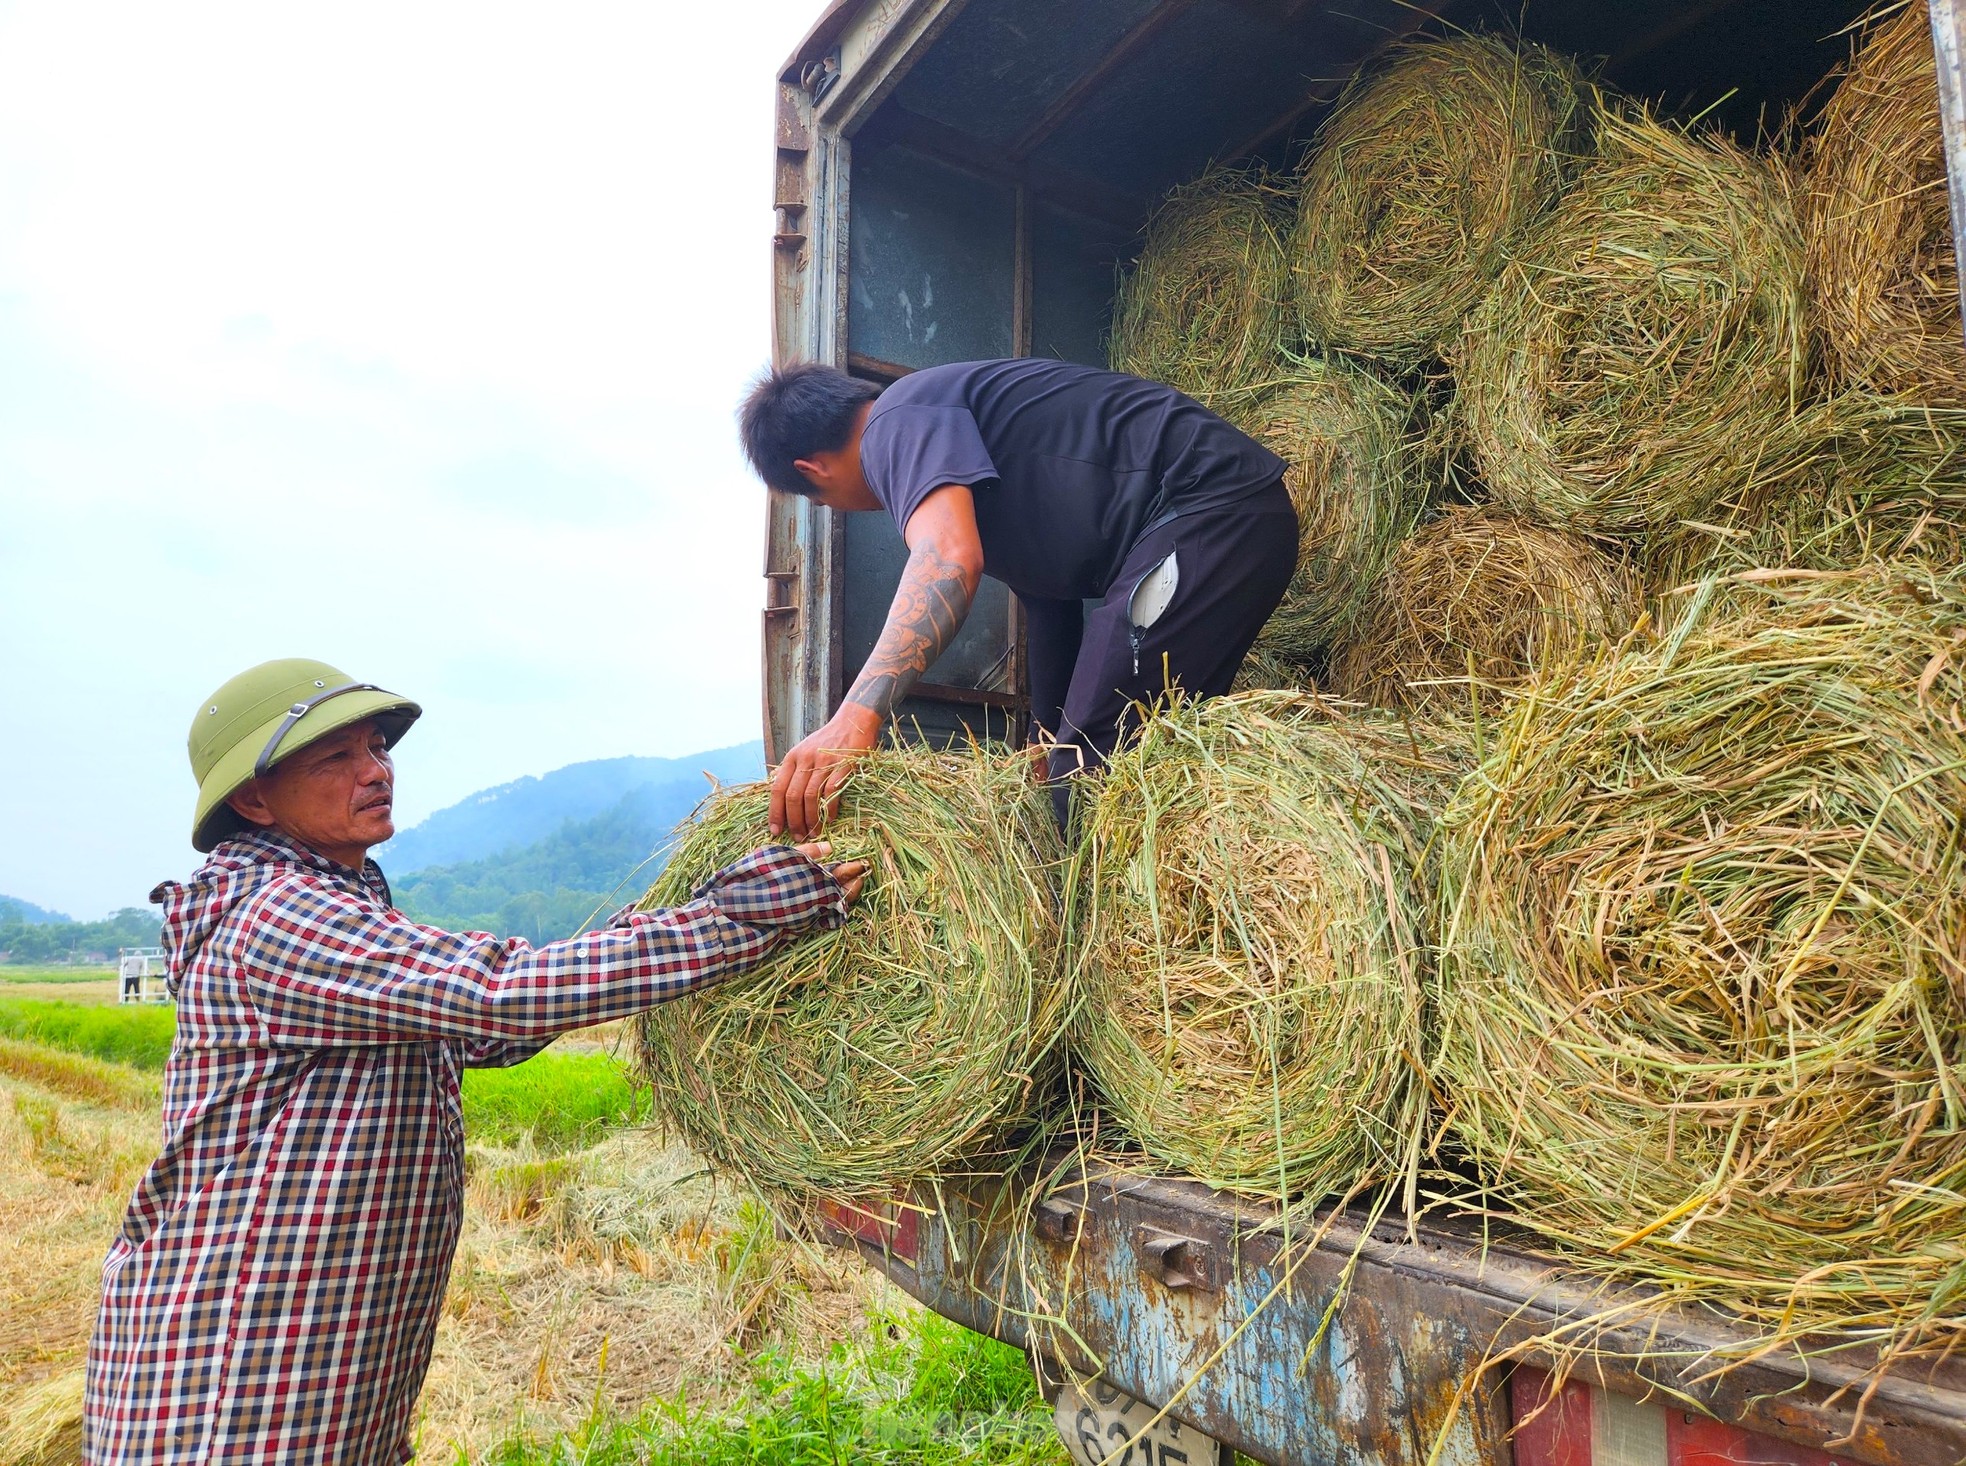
(1068, 464)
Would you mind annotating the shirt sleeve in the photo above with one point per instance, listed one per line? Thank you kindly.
(907, 452)
(323, 966)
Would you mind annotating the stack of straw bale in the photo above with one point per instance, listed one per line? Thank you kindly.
(907, 1042)
(1203, 309)
(1418, 184)
(1881, 478)
(1252, 930)
(1703, 996)
(1884, 282)
(1476, 603)
(1357, 477)
(1646, 344)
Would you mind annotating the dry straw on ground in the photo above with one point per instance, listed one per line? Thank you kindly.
(1203, 309)
(1476, 602)
(1883, 281)
(1357, 477)
(1419, 182)
(1645, 345)
(905, 1042)
(1702, 970)
(1253, 940)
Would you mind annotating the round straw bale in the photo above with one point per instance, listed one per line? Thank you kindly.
(1357, 476)
(1883, 280)
(1703, 947)
(1252, 936)
(1644, 347)
(1484, 595)
(909, 1038)
(1419, 181)
(1882, 478)
(1203, 309)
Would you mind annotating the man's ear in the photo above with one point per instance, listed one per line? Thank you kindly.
(818, 471)
(247, 802)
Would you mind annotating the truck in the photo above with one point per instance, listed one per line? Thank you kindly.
(962, 179)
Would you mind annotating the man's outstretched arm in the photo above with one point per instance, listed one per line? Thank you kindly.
(945, 562)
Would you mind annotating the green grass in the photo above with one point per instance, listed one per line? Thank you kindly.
(30, 975)
(138, 1035)
(561, 1100)
(913, 1391)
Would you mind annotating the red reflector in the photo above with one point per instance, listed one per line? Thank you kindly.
(1549, 1431)
(1701, 1442)
(888, 1225)
(1561, 1431)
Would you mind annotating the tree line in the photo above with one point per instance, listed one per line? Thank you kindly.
(58, 943)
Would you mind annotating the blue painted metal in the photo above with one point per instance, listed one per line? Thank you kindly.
(1179, 1294)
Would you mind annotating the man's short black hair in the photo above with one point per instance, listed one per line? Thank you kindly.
(796, 411)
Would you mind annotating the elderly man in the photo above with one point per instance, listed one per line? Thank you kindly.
(274, 1290)
(1069, 485)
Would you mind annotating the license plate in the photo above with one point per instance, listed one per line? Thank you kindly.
(1102, 1427)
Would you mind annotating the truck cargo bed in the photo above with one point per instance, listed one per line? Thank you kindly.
(1181, 1294)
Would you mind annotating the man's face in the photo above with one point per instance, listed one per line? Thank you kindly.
(335, 795)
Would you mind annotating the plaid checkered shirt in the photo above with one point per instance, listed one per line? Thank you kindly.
(274, 1291)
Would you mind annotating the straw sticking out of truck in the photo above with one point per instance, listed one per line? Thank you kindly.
(1633, 395)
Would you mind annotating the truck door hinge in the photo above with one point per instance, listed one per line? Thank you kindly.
(1058, 1220)
(1176, 1261)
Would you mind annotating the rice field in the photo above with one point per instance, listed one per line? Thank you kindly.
(610, 1301)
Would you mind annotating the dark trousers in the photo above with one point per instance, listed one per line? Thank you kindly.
(1089, 669)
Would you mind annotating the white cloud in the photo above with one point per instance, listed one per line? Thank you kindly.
(403, 335)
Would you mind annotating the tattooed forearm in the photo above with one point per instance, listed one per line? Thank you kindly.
(929, 608)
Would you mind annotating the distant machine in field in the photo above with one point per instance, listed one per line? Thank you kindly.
(142, 975)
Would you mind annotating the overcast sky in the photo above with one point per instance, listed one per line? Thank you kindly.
(406, 336)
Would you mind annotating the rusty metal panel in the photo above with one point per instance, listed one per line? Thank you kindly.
(1949, 46)
(876, 49)
(1180, 1291)
(822, 98)
(803, 550)
(1176, 1304)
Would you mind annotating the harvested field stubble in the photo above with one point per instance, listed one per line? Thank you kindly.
(1476, 602)
(1644, 349)
(1358, 480)
(908, 1041)
(1203, 309)
(1702, 964)
(1884, 282)
(1252, 932)
(1420, 181)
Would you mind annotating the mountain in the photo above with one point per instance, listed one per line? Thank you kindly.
(13, 909)
(529, 810)
(584, 870)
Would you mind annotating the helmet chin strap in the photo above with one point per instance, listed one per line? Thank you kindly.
(294, 714)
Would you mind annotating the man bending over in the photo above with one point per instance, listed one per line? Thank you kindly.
(1067, 483)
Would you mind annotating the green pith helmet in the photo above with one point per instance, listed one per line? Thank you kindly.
(264, 714)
